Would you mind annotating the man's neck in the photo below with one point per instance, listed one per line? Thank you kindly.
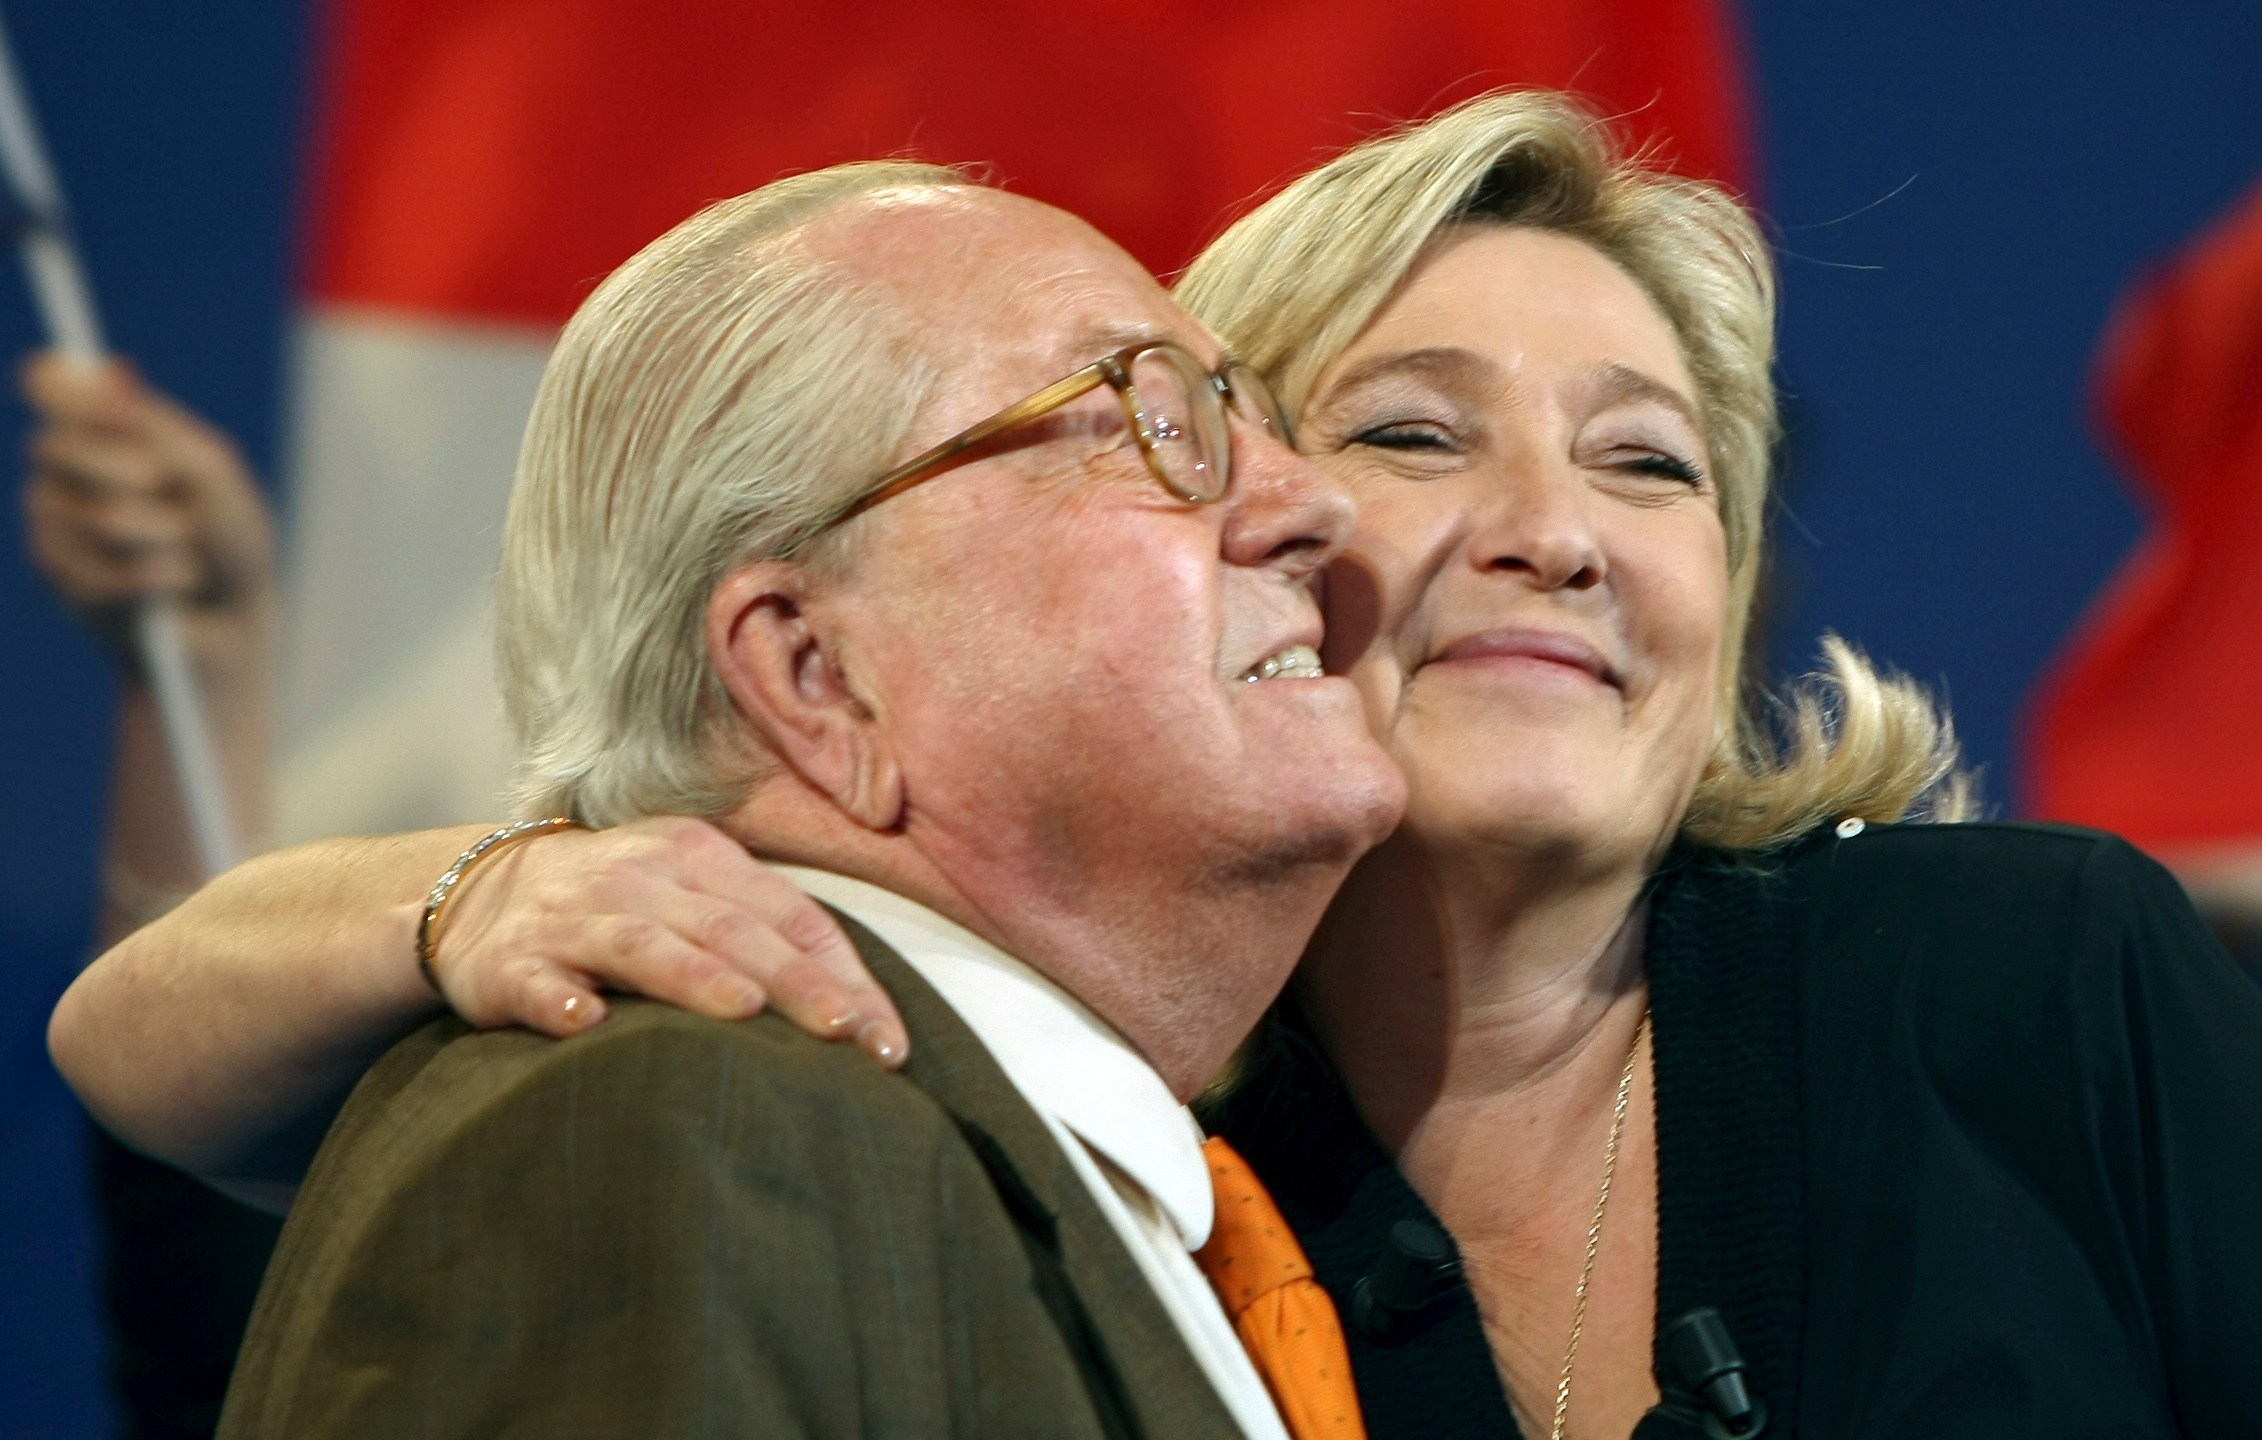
(1180, 965)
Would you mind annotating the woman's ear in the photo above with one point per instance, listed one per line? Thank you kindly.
(784, 673)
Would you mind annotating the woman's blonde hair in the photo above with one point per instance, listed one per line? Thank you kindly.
(711, 403)
(1291, 285)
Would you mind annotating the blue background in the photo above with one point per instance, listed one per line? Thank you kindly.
(1960, 192)
(175, 130)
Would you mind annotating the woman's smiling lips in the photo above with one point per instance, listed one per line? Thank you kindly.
(1520, 646)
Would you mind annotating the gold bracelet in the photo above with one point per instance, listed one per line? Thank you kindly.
(427, 929)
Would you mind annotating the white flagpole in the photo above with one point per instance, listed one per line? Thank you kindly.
(66, 304)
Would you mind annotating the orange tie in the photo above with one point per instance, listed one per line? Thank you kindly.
(1285, 1320)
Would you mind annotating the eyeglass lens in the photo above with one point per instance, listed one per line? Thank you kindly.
(1185, 418)
(1184, 422)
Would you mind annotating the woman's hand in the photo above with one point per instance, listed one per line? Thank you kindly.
(132, 498)
(672, 909)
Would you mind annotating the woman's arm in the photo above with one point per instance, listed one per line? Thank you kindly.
(224, 1036)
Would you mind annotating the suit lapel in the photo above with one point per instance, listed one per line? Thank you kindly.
(1143, 1379)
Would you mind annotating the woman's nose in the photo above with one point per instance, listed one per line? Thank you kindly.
(1538, 523)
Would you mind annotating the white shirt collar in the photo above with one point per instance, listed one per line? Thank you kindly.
(1064, 1059)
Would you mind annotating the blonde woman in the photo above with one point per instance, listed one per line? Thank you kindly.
(1951, 1128)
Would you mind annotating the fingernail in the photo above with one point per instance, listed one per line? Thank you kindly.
(739, 994)
(581, 1012)
(877, 1041)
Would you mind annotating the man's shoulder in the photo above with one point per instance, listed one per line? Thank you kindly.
(636, 1036)
(619, 1232)
(617, 1127)
(684, 1213)
(647, 1068)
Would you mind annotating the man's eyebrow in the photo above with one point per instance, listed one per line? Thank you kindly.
(1618, 384)
(1090, 344)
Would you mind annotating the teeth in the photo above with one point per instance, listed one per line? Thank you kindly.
(1297, 662)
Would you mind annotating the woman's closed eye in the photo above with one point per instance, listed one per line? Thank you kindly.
(1647, 460)
(1405, 435)
(1661, 465)
(1408, 446)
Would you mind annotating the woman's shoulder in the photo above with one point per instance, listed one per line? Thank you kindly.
(2017, 859)
(2003, 910)
(2029, 1077)
(1992, 874)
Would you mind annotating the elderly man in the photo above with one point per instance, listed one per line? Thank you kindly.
(811, 534)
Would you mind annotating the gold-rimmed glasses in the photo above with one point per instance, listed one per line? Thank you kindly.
(1174, 404)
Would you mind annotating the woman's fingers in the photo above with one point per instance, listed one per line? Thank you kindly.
(655, 954)
(553, 999)
(816, 979)
(763, 942)
(672, 909)
(827, 984)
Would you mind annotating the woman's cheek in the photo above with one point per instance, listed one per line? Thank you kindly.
(1379, 686)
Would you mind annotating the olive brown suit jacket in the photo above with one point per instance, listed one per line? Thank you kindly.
(673, 1226)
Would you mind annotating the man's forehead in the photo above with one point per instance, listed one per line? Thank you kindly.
(1004, 271)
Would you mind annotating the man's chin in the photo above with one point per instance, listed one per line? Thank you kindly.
(1313, 858)
(1345, 805)
(1322, 718)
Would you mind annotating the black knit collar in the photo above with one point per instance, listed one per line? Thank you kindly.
(1731, 1217)
(1731, 1214)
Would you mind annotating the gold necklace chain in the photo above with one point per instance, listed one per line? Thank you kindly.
(1594, 1231)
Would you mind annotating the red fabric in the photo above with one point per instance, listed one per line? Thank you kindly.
(2151, 722)
(493, 158)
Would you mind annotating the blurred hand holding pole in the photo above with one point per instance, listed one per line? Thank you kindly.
(66, 306)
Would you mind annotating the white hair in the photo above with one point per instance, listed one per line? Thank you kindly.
(712, 403)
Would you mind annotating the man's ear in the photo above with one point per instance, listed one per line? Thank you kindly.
(783, 672)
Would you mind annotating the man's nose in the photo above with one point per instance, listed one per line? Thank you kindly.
(1281, 510)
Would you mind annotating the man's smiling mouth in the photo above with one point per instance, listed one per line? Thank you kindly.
(1295, 662)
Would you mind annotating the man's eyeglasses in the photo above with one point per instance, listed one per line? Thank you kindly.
(1176, 408)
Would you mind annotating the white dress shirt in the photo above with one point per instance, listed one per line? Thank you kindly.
(1136, 1148)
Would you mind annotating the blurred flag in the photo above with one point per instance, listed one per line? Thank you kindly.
(2150, 723)
(482, 163)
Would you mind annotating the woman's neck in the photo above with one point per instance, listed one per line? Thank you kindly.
(1436, 987)
(1485, 1010)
